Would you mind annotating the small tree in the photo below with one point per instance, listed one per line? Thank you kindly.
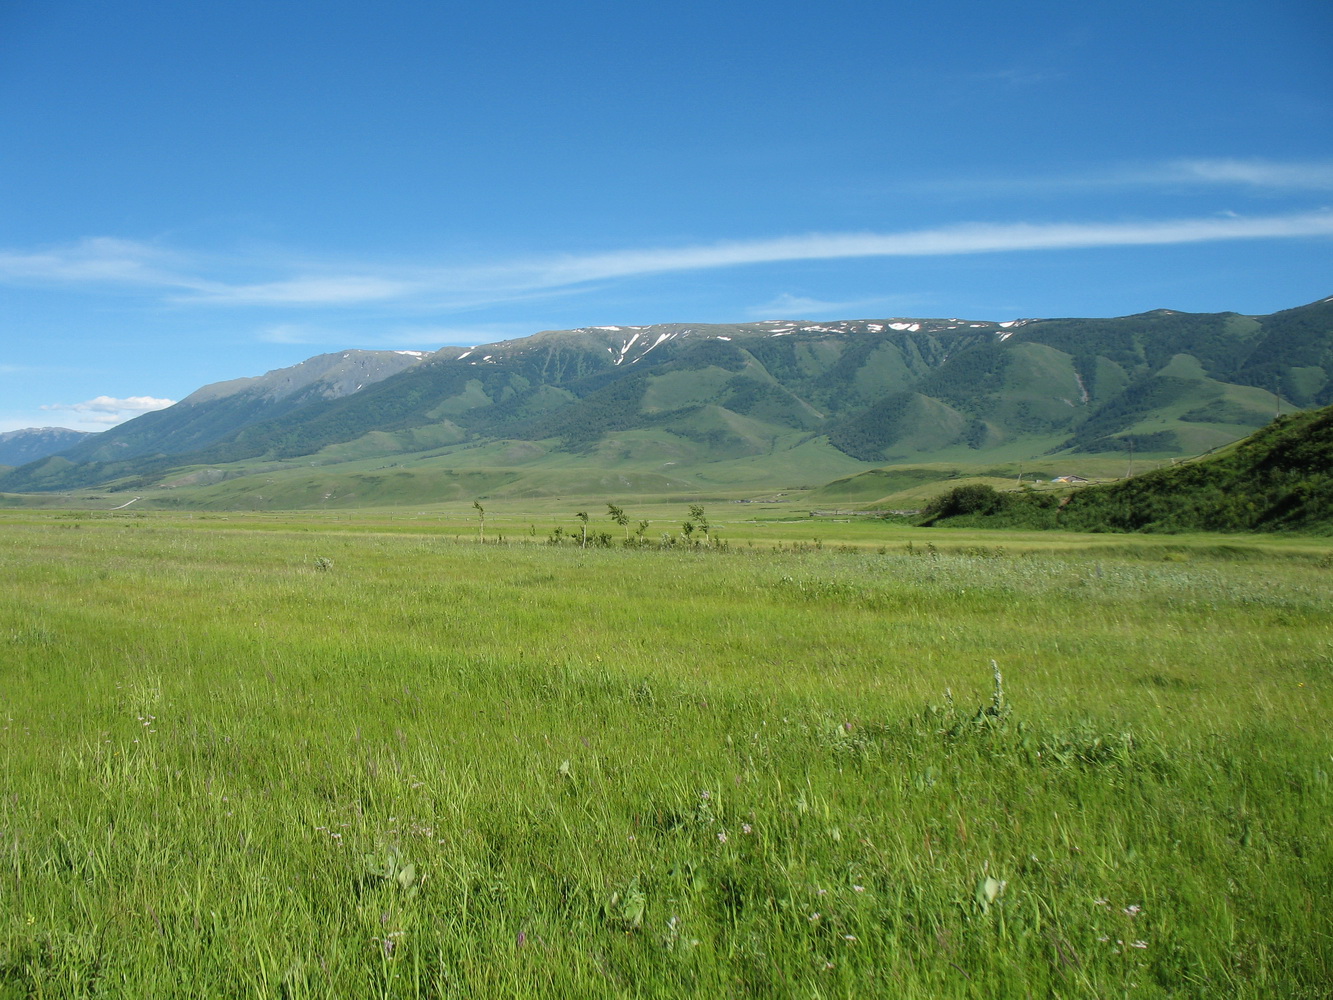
(481, 516)
(618, 515)
(639, 533)
(698, 519)
(583, 516)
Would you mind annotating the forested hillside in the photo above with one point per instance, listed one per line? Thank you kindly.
(1280, 478)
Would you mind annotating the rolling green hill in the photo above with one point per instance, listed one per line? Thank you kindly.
(718, 406)
(1279, 478)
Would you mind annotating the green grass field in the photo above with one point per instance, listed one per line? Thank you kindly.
(362, 755)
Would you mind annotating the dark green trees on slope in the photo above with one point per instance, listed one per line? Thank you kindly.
(1280, 478)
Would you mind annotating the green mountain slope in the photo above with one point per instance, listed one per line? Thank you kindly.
(773, 403)
(35, 443)
(1279, 478)
(222, 410)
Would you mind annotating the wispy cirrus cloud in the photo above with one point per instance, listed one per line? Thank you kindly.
(182, 281)
(951, 240)
(1253, 176)
(326, 290)
(100, 260)
(1310, 176)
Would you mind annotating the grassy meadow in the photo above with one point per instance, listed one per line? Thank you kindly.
(366, 756)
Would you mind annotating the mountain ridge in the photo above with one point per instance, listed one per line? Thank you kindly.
(33, 443)
(220, 409)
(720, 399)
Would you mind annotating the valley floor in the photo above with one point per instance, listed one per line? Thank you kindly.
(365, 755)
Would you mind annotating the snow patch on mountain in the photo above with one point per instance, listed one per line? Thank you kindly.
(660, 338)
(624, 348)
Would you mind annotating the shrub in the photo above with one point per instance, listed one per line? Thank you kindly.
(974, 499)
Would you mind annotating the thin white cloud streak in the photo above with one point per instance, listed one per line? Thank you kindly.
(956, 240)
(524, 277)
(122, 262)
(99, 260)
(333, 290)
(1257, 173)
(1253, 175)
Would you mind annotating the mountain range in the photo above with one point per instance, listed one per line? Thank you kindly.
(33, 443)
(676, 408)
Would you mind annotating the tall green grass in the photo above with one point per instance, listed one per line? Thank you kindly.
(269, 759)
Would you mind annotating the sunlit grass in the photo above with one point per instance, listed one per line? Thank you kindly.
(286, 758)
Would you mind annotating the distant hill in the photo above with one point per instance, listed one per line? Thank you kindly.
(33, 443)
(1279, 478)
(219, 411)
(676, 407)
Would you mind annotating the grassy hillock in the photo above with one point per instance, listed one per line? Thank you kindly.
(1280, 478)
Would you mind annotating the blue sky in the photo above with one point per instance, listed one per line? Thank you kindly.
(191, 193)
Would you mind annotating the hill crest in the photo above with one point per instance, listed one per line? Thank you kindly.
(768, 402)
